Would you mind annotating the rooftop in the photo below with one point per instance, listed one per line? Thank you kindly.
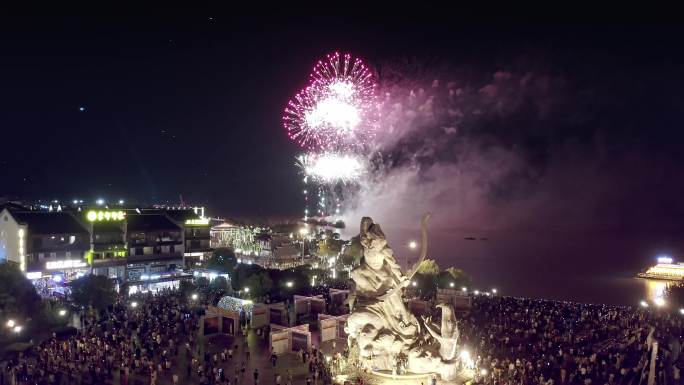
(181, 215)
(45, 222)
(150, 222)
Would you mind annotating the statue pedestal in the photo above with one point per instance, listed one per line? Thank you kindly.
(448, 371)
(385, 378)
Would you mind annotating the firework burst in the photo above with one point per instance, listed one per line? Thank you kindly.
(337, 111)
(330, 168)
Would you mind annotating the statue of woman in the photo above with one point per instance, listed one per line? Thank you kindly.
(379, 322)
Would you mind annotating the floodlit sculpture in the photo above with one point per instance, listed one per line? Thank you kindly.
(447, 336)
(381, 328)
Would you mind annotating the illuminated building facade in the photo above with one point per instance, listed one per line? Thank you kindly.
(223, 235)
(109, 247)
(196, 234)
(155, 245)
(44, 243)
(136, 245)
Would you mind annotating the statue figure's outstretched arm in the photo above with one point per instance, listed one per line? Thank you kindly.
(395, 268)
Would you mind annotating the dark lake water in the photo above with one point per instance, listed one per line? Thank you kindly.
(591, 268)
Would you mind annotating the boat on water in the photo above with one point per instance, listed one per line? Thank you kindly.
(665, 270)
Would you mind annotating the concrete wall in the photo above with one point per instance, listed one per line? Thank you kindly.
(9, 238)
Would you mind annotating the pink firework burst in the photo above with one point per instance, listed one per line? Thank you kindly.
(338, 110)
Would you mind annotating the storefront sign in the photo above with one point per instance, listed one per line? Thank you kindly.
(66, 264)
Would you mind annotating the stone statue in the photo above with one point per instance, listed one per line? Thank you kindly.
(380, 323)
(380, 327)
(447, 337)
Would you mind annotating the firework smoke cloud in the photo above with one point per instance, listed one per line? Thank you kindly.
(442, 147)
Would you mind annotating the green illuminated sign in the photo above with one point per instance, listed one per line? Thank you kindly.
(100, 215)
(197, 222)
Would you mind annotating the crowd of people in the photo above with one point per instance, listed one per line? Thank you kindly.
(518, 341)
(152, 339)
(135, 341)
(136, 338)
(149, 339)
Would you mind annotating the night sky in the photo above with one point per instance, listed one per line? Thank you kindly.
(192, 105)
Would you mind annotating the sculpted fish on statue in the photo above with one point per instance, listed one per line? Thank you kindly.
(447, 335)
(380, 325)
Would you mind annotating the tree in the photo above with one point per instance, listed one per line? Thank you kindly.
(428, 267)
(426, 284)
(453, 275)
(300, 277)
(49, 316)
(318, 273)
(242, 273)
(18, 296)
(329, 247)
(219, 284)
(426, 278)
(352, 252)
(259, 284)
(222, 260)
(94, 290)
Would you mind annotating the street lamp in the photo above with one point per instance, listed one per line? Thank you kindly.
(194, 296)
(464, 289)
(17, 329)
(246, 290)
(62, 312)
(643, 304)
(134, 304)
(289, 283)
(451, 284)
(10, 323)
(493, 291)
(412, 245)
